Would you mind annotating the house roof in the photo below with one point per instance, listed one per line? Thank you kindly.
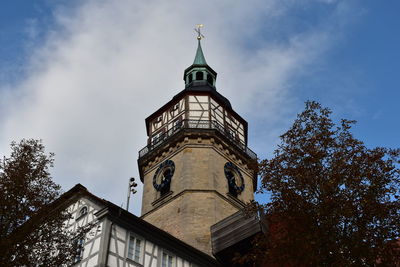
(139, 226)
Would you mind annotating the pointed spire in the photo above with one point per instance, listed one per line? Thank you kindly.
(199, 59)
(199, 74)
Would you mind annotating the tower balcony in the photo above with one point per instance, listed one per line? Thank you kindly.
(197, 125)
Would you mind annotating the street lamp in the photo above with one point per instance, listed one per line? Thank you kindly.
(131, 189)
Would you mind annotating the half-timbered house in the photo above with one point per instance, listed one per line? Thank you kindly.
(121, 239)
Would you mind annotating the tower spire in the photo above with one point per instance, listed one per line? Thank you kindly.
(199, 73)
(199, 58)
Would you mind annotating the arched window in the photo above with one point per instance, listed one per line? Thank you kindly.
(199, 76)
(82, 212)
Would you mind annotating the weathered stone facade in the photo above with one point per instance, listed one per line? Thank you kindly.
(199, 189)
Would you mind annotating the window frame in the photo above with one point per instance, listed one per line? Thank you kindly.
(80, 215)
(168, 253)
(158, 137)
(142, 248)
(177, 123)
(79, 250)
(199, 75)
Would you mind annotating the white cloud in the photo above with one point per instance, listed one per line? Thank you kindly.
(109, 64)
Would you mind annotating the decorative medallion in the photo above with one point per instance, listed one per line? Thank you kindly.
(162, 177)
(235, 178)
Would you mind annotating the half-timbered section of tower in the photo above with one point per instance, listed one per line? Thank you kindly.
(196, 167)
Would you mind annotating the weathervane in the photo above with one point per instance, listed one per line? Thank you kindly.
(197, 29)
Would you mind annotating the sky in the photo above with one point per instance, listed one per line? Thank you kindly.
(83, 75)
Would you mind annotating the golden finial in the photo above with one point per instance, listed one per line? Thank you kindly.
(197, 29)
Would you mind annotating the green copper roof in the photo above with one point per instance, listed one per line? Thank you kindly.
(199, 59)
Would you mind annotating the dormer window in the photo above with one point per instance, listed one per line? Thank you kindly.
(199, 75)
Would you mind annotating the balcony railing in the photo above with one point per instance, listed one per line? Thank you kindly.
(196, 124)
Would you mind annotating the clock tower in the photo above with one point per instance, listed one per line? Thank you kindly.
(196, 167)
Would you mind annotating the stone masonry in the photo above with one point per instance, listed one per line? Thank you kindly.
(199, 190)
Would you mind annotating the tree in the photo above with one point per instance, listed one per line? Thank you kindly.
(32, 221)
(333, 201)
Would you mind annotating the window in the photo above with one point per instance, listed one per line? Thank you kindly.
(79, 249)
(174, 109)
(82, 212)
(231, 120)
(177, 124)
(231, 133)
(199, 75)
(210, 79)
(158, 137)
(135, 249)
(167, 260)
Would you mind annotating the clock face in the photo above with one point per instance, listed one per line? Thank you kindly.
(235, 178)
(238, 180)
(163, 175)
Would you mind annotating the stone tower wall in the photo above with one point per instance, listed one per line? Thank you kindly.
(199, 190)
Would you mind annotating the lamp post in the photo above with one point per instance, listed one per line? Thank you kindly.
(131, 189)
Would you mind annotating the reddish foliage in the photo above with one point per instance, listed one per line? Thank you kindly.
(32, 222)
(334, 202)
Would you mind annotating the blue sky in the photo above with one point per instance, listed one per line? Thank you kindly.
(15, 20)
(369, 51)
(83, 75)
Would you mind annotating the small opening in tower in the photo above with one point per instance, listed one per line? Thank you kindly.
(190, 77)
(210, 79)
(199, 75)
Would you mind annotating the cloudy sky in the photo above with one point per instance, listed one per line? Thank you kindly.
(83, 75)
